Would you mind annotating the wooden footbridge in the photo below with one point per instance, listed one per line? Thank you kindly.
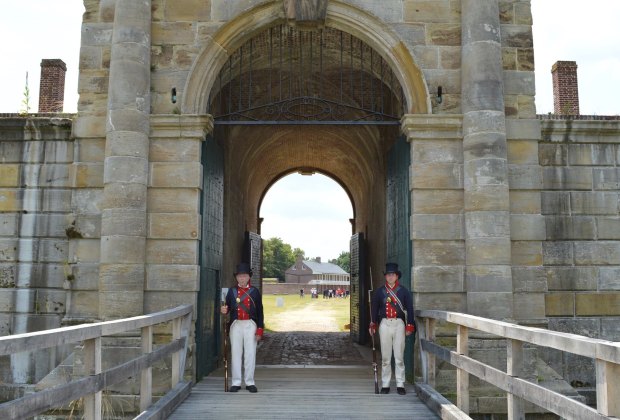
(302, 392)
(315, 392)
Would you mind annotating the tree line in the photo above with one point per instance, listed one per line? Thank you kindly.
(278, 256)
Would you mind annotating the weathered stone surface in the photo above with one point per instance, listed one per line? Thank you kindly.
(527, 227)
(439, 252)
(441, 301)
(172, 277)
(555, 202)
(122, 250)
(437, 227)
(174, 151)
(572, 278)
(437, 176)
(488, 251)
(573, 178)
(523, 152)
(85, 276)
(610, 329)
(124, 222)
(597, 304)
(525, 177)
(570, 227)
(525, 202)
(171, 252)
(609, 279)
(188, 175)
(115, 305)
(158, 301)
(9, 175)
(50, 301)
(494, 305)
(437, 151)
(484, 224)
(487, 198)
(187, 10)
(517, 36)
(529, 279)
(174, 200)
(591, 154)
(529, 305)
(519, 83)
(90, 150)
(174, 226)
(597, 253)
(84, 304)
(87, 201)
(485, 278)
(527, 253)
(427, 11)
(8, 224)
(605, 178)
(484, 172)
(17, 300)
(448, 34)
(558, 253)
(88, 175)
(438, 279)
(594, 202)
(437, 201)
(485, 145)
(560, 304)
(84, 250)
(121, 277)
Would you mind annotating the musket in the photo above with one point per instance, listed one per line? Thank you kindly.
(225, 331)
(372, 336)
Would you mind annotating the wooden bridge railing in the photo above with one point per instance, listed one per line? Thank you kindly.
(91, 387)
(605, 353)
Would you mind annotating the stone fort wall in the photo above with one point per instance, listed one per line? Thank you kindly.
(549, 256)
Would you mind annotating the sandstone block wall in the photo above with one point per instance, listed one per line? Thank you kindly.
(581, 254)
(36, 180)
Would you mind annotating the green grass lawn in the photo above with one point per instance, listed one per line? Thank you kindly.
(275, 317)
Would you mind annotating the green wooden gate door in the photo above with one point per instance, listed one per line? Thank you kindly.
(208, 331)
(397, 224)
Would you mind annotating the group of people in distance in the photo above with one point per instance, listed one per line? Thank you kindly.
(391, 315)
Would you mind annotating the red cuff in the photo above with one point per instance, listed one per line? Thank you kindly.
(410, 328)
(259, 332)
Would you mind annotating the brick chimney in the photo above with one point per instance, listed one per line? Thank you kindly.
(52, 86)
(565, 89)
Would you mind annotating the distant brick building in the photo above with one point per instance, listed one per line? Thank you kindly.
(316, 273)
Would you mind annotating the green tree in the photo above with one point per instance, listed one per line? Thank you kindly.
(277, 257)
(298, 252)
(343, 261)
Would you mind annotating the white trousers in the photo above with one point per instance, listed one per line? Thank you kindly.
(392, 334)
(243, 345)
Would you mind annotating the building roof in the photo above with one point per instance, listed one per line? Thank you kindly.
(324, 268)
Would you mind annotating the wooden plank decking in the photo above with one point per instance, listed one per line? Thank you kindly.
(302, 392)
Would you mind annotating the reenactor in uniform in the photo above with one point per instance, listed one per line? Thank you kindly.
(392, 312)
(245, 304)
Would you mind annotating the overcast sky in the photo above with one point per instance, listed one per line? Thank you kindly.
(570, 30)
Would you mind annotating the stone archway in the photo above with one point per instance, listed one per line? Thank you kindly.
(378, 35)
(254, 156)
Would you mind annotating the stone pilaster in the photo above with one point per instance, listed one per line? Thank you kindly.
(487, 211)
(124, 217)
(437, 228)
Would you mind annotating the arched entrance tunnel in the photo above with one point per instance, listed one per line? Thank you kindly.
(314, 100)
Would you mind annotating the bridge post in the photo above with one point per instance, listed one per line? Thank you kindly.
(607, 388)
(430, 357)
(146, 378)
(92, 366)
(462, 377)
(514, 368)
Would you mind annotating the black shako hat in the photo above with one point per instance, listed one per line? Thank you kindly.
(392, 268)
(243, 268)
